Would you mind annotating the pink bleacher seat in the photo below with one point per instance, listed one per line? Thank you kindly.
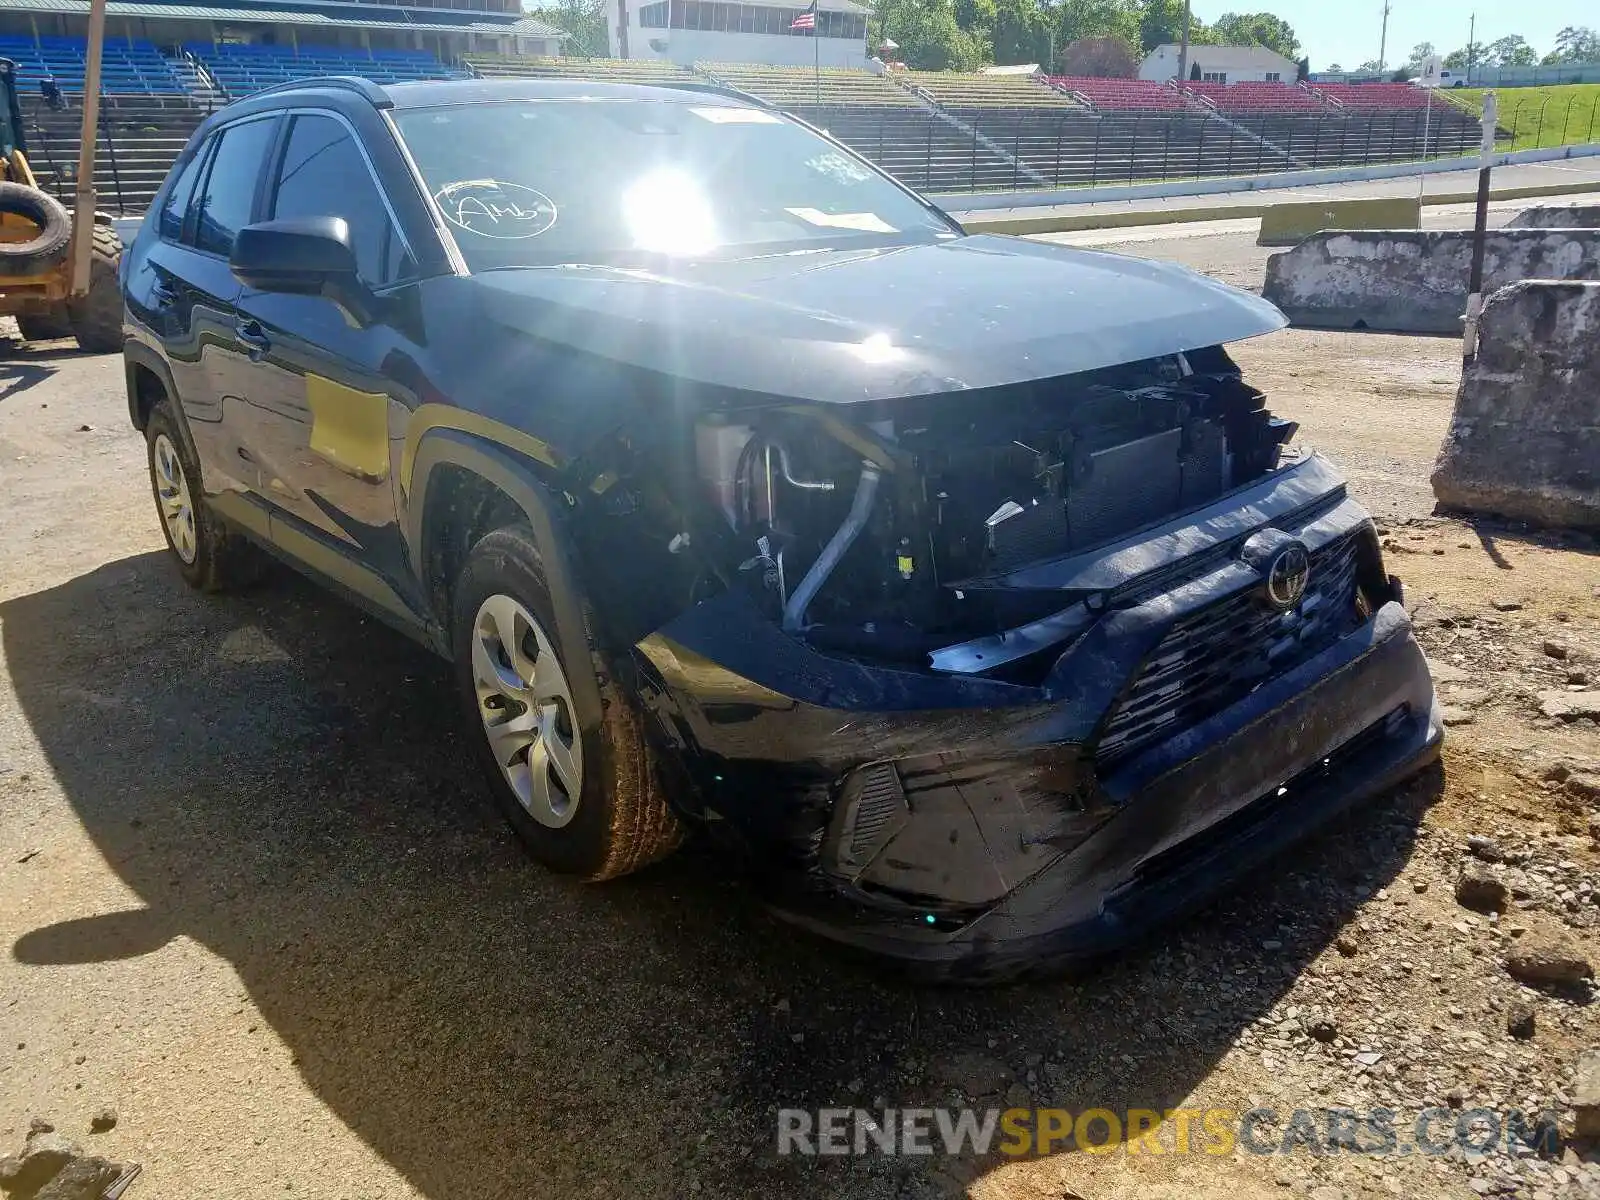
(1375, 95)
(1120, 94)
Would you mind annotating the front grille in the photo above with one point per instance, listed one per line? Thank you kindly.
(1217, 656)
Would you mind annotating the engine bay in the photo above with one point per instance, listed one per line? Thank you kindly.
(887, 535)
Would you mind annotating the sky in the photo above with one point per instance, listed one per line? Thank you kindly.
(1347, 31)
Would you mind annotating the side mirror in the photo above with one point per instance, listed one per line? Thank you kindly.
(301, 256)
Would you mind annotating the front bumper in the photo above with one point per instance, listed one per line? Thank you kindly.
(1193, 815)
(984, 829)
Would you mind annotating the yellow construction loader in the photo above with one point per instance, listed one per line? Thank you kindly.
(42, 282)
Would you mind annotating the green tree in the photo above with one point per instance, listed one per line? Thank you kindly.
(1420, 51)
(1512, 51)
(1257, 29)
(1161, 22)
(1019, 33)
(929, 37)
(1102, 58)
(1469, 55)
(584, 23)
(1575, 44)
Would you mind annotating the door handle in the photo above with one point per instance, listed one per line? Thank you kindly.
(255, 337)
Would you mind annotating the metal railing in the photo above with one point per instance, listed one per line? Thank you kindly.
(1555, 121)
(1007, 150)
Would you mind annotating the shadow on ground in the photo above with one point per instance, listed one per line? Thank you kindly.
(285, 781)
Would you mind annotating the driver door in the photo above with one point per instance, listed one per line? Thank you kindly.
(327, 411)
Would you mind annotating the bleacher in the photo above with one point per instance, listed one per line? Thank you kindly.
(790, 86)
(956, 91)
(140, 137)
(126, 68)
(613, 70)
(1389, 97)
(1256, 97)
(240, 69)
(1121, 95)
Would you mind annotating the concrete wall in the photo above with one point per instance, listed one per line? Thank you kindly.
(1557, 216)
(1288, 224)
(1410, 281)
(1525, 438)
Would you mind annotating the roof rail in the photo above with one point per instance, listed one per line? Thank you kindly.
(714, 89)
(370, 91)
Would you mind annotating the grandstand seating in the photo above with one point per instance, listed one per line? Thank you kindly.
(1386, 96)
(140, 136)
(1250, 97)
(126, 68)
(917, 147)
(613, 70)
(1121, 95)
(951, 90)
(241, 69)
(790, 86)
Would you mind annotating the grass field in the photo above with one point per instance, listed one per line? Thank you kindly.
(1562, 115)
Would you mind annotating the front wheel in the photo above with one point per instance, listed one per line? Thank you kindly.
(577, 785)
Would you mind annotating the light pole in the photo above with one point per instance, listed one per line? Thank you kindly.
(1183, 48)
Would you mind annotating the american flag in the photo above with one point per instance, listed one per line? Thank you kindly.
(807, 19)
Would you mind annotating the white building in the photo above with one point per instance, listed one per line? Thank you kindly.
(1220, 64)
(688, 31)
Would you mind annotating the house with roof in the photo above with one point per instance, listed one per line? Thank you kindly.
(1219, 64)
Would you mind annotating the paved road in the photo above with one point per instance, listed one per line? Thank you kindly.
(1579, 172)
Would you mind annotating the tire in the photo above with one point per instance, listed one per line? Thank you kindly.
(616, 819)
(44, 325)
(96, 318)
(48, 249)
(209, 556)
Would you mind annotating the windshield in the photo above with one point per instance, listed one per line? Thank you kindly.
(539, 182)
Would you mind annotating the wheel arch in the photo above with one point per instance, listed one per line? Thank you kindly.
(148, 382)
(462, 487)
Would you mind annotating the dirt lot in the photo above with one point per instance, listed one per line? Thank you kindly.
(252, 896)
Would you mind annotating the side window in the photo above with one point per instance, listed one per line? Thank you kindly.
(230, 188)
(325, 175)
(171, 223)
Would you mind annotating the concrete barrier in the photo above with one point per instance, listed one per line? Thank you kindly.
(1406, 281)
(1525, 438)
(1557, 216)
(1288, 224)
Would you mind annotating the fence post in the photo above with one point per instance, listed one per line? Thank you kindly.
(1200, 151)
(972, 178)
(1016, 154)
(1055, 176)
(1094, 159)
(1133, 149)
(1166, 150)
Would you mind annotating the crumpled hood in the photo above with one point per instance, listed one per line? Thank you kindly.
(844, 326)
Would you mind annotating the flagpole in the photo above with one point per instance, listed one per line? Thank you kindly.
(816, 52)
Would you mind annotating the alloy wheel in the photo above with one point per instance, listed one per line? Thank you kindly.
(174, 499)
(526, 707)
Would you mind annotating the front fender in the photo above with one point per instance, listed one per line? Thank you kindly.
(545, 512)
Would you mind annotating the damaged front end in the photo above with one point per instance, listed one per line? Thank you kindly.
(964, 672)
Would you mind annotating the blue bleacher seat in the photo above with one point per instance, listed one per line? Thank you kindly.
(242, 69)
(128, 68)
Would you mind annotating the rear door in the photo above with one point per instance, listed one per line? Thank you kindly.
(327, 412)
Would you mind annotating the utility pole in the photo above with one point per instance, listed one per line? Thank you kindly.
(83, 210)
(1183, 48)
(1383, 37)
(1472, 46)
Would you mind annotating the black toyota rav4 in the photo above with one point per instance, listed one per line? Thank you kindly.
(957, 584)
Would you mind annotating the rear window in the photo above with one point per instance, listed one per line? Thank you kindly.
(537, 182)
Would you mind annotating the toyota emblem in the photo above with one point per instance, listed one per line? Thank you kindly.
(1287, 576)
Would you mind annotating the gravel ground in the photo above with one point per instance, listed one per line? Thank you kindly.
(255, 900)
